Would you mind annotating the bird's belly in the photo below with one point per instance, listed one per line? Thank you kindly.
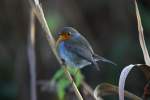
(73, 60)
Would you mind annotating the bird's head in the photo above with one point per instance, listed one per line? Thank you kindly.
(67, 33)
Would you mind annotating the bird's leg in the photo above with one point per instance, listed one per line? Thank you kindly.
(63, 61)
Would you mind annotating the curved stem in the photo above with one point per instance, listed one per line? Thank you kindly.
(141, 36)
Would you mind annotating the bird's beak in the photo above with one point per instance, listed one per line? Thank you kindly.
(62, 37)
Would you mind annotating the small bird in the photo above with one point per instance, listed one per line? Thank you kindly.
(75, 50)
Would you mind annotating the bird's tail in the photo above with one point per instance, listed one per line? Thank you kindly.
(99, 58)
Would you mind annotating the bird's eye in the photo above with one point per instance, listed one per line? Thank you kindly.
(68, 33)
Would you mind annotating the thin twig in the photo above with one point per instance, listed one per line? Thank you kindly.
(31, 57)
(141, 36)
(38, 11)
(105, 89)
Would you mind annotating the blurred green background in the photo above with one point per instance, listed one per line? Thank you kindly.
(109, 25)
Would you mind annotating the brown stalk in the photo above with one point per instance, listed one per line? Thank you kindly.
(141, 36)
(38, 12)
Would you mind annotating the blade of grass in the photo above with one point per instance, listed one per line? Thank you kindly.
(127, 69)
(141, 36)
(122, 80)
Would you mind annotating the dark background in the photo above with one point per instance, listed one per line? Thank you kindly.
(109, 25)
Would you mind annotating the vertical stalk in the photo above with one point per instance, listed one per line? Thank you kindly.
(38, 12)
(31, 57)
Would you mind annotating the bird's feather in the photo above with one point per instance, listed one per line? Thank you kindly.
(100, 58)
(80, 47)
(77, 51)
